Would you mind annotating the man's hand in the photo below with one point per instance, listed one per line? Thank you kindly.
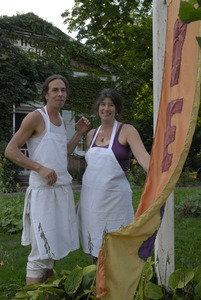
(49, 175)
(82, 125)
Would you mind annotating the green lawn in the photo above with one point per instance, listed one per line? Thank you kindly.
(13, 256)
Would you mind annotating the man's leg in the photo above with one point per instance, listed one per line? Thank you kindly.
(37, 270)
(30, 280)
(47, 275)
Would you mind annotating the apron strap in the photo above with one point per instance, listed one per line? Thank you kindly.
(95, 137)
(112, 136)
(48, 119)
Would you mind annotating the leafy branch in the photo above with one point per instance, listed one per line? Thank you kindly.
(190, 12)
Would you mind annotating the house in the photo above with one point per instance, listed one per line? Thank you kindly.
(44, 43)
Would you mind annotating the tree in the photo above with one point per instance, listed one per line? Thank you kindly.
(22, 73)
(17, 76)
(121, 32)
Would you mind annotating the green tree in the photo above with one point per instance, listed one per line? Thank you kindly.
(22, 73)
(121, 32)
(17, 76)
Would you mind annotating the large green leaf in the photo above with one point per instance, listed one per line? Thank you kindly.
(31, 287)
(73, 281)
(180, 278)
(89, 274)
(36, 295)
(51, 289)
(198, 289)
(197, 276)
(153, 291)
(21, 295)
(188, 13)
(148, 269)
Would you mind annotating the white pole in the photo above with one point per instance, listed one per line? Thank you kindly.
(164, 244)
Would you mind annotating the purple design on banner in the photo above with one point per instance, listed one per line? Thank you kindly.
(146, 248)
(162, 210)
(178, 41)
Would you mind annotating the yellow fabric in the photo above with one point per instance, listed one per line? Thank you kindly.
(168, 2)
(119, 264)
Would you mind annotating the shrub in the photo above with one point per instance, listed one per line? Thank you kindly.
(79, 284)
(75, 284)
(136, 175)
(11, 214)
(8, 175)
(187, 178)
(190, 206)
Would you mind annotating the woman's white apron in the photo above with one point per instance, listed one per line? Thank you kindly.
(105, 199)
(51, 208)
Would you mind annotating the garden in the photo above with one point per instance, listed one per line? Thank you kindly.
(74, 275)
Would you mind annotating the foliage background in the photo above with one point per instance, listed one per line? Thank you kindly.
(117, 53)
(23, 72)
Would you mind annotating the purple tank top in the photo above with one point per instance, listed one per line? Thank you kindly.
(122, 153)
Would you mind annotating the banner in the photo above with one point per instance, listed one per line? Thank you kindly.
(124, 252)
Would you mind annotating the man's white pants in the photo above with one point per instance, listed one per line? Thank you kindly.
(36, 267)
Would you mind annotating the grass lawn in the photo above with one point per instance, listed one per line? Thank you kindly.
(13, 256)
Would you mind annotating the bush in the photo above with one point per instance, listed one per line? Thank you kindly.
(136, 175)
(75, 284)
(11, 214)
(80, 284)
(184, 284)
(190, 206)
(8, 176)
(188, 178)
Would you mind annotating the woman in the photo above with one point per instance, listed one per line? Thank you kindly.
(106, 198)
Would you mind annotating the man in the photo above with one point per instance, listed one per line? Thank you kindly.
(49, 219)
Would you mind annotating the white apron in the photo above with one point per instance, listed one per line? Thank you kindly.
(51, 208)
(105, 199)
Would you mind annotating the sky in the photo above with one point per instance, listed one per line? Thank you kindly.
(48, 10)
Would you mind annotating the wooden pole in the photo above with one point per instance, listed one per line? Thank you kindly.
(164, 244)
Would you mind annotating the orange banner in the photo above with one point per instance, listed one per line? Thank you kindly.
(124, 252)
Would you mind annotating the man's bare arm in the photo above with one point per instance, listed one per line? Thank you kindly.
(82, 125)
(27, 129)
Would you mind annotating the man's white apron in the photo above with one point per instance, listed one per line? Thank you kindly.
(51, 208)
(105, 199)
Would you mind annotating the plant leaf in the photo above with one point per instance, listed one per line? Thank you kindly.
(180, 278)
(148, 270)
(153, 291)
(188, 13)
(197, 276)
(198, 289)
(89, 274)
(73, 281)
(21, 295)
